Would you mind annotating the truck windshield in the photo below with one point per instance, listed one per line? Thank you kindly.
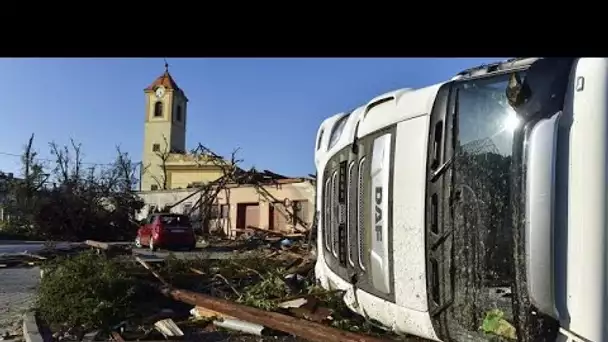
(491, 114)
(482, 217)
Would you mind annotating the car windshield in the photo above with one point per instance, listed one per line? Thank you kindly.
(174, 220)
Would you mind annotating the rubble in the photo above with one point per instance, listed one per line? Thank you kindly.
(27, 259)
(168, 328)
(270, 294)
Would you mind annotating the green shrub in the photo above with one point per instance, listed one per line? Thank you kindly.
(86, 290)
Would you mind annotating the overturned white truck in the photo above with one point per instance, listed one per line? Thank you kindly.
(478, 202)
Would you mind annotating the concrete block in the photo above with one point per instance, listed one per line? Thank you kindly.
(31, 333)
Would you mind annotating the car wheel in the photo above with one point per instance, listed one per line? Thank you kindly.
(151, 245)
(138, 242)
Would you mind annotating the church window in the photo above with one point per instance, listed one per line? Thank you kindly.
(155, 147)
(158, 109)
(178, 113)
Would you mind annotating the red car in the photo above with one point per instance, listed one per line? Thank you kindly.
(166, 230)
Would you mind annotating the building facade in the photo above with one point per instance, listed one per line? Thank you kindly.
(165, 161)
(240, 206)
(171, 175)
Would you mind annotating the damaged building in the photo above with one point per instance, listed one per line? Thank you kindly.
(219, 196)
(275, 203)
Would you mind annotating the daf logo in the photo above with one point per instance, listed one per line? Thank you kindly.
(378, 213)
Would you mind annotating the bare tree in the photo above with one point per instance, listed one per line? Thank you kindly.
(93, 203)
(208, 192)
(229, 175)
(21, 201)
(33, 173)
(127, 170)
(68, 163)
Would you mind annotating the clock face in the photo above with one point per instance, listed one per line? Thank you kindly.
(160, 91)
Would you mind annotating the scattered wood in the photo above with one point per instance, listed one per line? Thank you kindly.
(320, 314)
(109, 249)
(227, 322)
(276, 233)
(168, 328)
(242, 326)
(294, 303)
(227, 283)
(197, 271)
(149, 268)
(34, 256)
(98, 244)
(306, 329)
(300, 327)
(307, 307)
(204, 313)
(117, 337)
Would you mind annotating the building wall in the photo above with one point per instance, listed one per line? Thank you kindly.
(233, 196)
(179, 179)
(155, 128)
(182, 169)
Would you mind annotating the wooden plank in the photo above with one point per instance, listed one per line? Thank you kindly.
(97, 244)
(116, 337)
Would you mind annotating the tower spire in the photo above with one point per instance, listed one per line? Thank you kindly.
(166, 65)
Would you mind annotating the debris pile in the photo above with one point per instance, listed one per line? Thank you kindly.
(39, 254)
(268, 295)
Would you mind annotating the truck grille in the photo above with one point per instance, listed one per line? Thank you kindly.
(335, 213)
(327, 214)
(361, 214)
(351, 206)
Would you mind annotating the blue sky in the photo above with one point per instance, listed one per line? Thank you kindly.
(270, 108)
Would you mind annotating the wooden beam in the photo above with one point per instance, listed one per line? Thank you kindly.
(311, 331)
(97, 244)
(300, 327)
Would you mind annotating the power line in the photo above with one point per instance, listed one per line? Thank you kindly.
(53, 160)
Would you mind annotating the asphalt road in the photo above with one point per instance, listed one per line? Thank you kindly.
(17, 286)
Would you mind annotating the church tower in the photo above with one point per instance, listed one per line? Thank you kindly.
(164, 127)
